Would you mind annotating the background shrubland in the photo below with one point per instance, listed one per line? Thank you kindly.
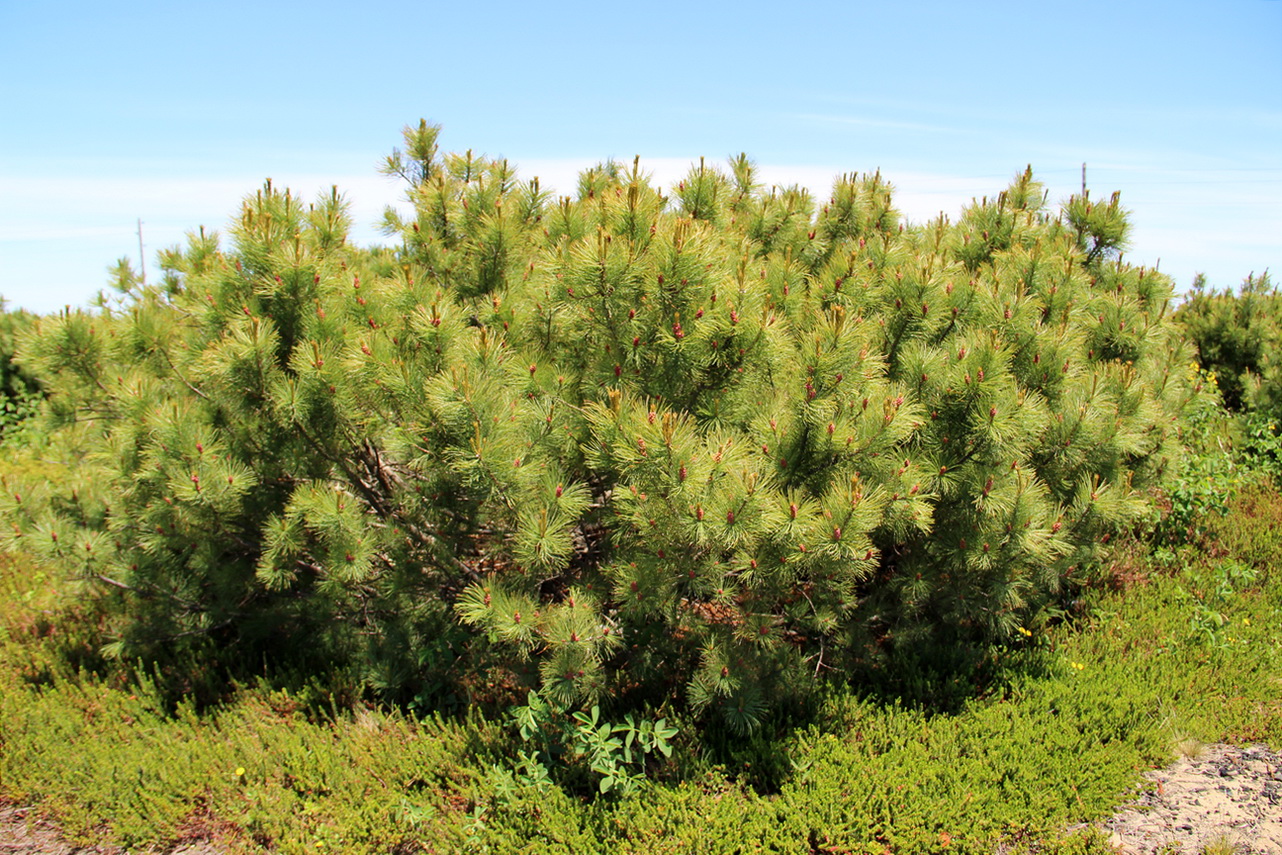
(1238, 336)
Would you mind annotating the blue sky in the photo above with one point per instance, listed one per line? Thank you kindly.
(171, 112)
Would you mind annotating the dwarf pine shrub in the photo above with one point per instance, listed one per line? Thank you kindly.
(713, 445)
(1237, 335)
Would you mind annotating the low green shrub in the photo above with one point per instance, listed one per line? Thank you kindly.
(565, 745)
(1261, 444)
(1194, 498)
(1251, 532)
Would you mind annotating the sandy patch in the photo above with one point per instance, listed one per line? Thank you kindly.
(1225, 794)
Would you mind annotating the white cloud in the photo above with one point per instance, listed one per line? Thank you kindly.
(59, 233)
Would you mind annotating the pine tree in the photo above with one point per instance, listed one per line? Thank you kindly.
(717, 446)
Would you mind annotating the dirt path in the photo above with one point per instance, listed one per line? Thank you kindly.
(23, 832)
(1226, 794)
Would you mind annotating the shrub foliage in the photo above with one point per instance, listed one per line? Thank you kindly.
(1238, 336)
(19, 389)
(716, 444)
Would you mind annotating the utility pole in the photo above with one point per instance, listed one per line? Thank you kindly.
(142, 259)
(1083, 178)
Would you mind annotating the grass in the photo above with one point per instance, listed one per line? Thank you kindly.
(1171, 660)
(1220, 846)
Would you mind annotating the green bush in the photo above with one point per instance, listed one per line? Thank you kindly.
(20, 391)
(1198, 489)
(1238, 336)
(717, 446)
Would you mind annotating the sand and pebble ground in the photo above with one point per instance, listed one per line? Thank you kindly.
(1222, 795)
